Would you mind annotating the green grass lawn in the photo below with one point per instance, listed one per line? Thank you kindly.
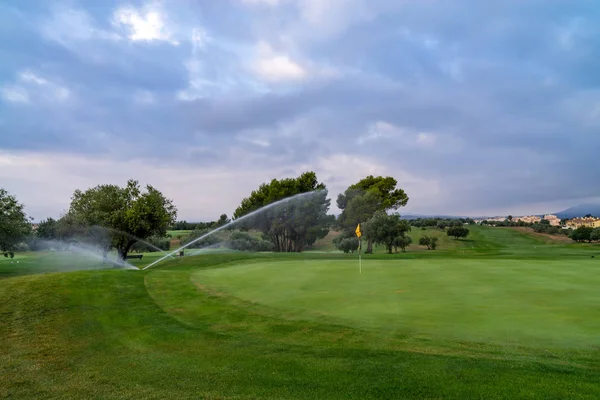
(182, 233)
(508, 302)
(502, 314)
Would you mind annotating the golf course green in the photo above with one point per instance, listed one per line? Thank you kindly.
(502, 315)
(537, 303)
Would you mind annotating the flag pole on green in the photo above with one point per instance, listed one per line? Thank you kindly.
(358, 235)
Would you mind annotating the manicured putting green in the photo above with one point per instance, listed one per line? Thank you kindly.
(516, 302)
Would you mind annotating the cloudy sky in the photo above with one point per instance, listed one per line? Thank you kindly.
(476, 107)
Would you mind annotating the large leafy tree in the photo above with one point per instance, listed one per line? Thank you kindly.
(363, 199)
(582, 234)
(14, 224)
(127, 214)
(47, 229)
(290, 225)
(386, 229)
(458, 231)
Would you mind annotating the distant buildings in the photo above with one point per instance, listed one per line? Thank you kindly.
(553, 219)
(530, 219)
(585, 221)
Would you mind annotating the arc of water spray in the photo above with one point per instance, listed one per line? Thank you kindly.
(268, 206)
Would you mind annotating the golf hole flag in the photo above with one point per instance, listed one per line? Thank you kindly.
(358, 232)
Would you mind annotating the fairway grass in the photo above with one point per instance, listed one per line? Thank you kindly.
(502, 314)
(508, 302)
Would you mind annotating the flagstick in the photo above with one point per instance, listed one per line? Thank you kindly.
(359, 235)
(359, 258)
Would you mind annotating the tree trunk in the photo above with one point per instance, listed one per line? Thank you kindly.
(124, 249)
(369, 247)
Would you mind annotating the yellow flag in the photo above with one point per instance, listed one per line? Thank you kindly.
(357, 231)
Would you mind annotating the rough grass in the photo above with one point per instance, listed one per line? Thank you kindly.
(169, 333)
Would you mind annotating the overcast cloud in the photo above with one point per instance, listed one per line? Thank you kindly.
(475, 107)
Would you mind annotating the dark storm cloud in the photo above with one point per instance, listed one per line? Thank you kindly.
(498, 102)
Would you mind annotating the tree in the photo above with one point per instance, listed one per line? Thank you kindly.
(223, 220)
(430, 242)
(595, 235)
(243, 241)
(510, 218)
(458, 232)
(67, 229)
(14, 225)
(128, 213)
(433, 243)
(384, 229)
(363, 199)
(346, 242)
(199, 243)
(45, 231)
(582, 234)
(294, 224)
(348, 245)
(402, 242)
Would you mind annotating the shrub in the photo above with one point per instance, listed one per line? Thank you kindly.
(582, 234)
(152, 244)
(458, 231)
(346, 242)
(207, 241)
(402, 242)
(433, 243)
(349, 245)
(243, 241)
(430, 242)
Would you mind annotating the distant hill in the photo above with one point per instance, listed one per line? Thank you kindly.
(580, 211)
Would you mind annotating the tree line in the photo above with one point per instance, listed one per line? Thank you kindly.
(136, 218)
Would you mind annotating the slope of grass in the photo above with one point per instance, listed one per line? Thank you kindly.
(182, 233)
(99, 334)
(500, 315)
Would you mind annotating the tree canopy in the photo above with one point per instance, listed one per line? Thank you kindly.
(346, 242)
(386, 229)
(429, 241)
(291, 225)
(402, 242)
(582, 234)
(14, 225)
(363, 199)
(458, 231)
(129, 214)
